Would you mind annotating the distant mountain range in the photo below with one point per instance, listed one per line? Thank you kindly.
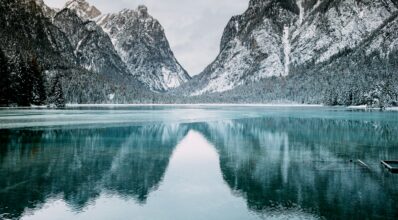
(336, 52)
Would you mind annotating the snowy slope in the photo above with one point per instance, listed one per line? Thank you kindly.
(140, 41)
(76, 52)
(83, 9)
(273, 38)
(252, 47)
(138, 44)
(92, 46)
(25, 32)
(343, 26)
(47, 11)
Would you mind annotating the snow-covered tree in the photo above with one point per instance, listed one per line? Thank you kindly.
(24, 84)
(56, 94)
(5, 92)
(38, 88)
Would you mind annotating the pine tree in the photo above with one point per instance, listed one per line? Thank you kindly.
(24, 85)
(56, 94)
(38, 89)
(5, 81)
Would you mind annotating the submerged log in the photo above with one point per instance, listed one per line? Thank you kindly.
(391, 165)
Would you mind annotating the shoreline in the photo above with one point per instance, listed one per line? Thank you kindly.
(198, 104)
(364, 107)
(279, 105)
(171, 105)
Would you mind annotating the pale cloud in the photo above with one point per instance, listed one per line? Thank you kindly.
(193, 27)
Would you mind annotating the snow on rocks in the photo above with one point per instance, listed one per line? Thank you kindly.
(140, 41)
(83, 9)
(273, 38)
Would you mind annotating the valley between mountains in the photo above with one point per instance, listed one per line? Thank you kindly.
(332, 52)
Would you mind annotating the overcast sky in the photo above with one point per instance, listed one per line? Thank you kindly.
(193, 27)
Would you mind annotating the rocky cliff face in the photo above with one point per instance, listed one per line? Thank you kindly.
(141, 43)
(92, 46)
(25, 31)
(74, 53)
(47, 11)
(79, 57)
(138, 39)
(329, 27)
(133, 42)
(275, 38)
(83, 9)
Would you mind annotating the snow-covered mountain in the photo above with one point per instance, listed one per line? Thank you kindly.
(276, 38)
(25, 32)
(338, 52)
(83, 9)
(73, 59)
(330, 27)
(92, 46)
(47, 11)
(140, 41)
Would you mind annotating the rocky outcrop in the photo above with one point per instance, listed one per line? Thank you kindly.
(75, 53)
(275, 38)
(141, 43)
(92, 46)
(33, 34)
(83, 9)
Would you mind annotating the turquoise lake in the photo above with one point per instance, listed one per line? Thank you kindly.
(197, 162)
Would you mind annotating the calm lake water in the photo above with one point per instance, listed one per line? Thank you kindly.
(197, 162)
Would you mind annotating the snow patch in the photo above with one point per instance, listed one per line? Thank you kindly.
(83, 9)
(111, 96)
(78, 47)
(170, 79)
(392, 109)
(361, 14)
(358, 107)
(286, 49)
(236, 26)
(301, 11)
(318, 3)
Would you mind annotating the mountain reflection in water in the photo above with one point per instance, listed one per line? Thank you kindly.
(279, 167)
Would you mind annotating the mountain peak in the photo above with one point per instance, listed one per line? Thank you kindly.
(140, 41)
(83, 9)
(47, 11)
(142, 11)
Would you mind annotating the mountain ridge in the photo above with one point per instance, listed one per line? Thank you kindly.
(303, 51)
(277, 39)
(37, 44)
(141, 43)
(83, 9)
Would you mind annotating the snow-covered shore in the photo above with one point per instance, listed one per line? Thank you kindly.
(221, 104)
(279, 105)
(358, 107)
(365, 107)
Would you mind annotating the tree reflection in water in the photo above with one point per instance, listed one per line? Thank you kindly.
(278, 165)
